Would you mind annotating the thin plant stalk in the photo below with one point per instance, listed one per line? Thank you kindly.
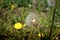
(41, 35)
(30, 35)
(53, 18)
(31, 32)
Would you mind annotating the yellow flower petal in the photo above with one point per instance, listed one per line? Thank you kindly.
(40, 35)
(12, 7)
(18, 26)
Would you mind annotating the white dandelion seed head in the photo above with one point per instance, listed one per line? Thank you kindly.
(31, 17)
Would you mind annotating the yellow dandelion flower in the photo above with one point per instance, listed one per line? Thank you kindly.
(12, 7)
(40, 35)
(18, 26)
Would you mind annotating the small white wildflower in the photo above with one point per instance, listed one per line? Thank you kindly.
(34, 20)
(56, 38)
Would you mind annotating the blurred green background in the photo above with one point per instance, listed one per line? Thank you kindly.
(14, 11)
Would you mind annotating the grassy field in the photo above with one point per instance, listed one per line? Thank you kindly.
(21, 20)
